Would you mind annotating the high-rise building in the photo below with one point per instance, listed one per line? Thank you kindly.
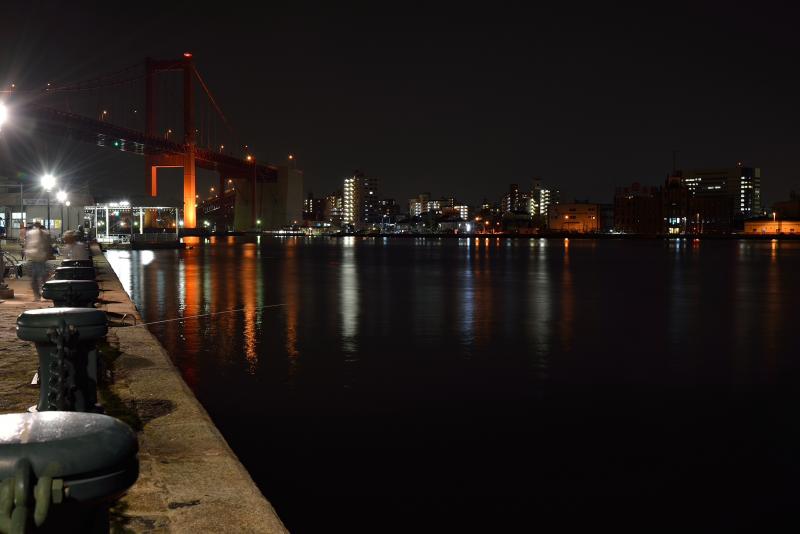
(424, 204)
(511, 200)
(313, 208)
(419, 205)
(360, 201)
(742, 183)
(540, 199)
(387, 207)
(334, 208)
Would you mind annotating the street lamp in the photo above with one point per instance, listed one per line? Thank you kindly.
(67, 204)
(61, 196)
(48, 183)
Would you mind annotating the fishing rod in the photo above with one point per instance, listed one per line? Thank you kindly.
(206, 314)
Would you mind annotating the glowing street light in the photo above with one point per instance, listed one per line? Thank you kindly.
(3, 114)
(48, 182)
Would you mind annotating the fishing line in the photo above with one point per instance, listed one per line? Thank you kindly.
(209, 314)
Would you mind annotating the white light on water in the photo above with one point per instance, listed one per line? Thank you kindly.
(146, 257)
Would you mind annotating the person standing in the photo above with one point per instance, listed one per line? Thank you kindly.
(74, 247)
(37, 250)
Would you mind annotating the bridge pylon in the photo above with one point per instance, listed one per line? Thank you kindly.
(153, 162)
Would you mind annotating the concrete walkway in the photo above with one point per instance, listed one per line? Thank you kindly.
(190, 481)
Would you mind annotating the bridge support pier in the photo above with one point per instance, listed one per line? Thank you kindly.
(187, 163)
(189, 186)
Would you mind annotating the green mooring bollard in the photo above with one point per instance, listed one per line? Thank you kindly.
(71, 293)
(66, 341)
(59, 471)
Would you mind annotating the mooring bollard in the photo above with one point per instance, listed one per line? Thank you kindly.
(59, 471)
(77, 263)
(71, 293)
(66, 341)
(75, 273)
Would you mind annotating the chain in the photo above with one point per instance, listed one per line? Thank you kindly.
(17, 493)
(61, 385)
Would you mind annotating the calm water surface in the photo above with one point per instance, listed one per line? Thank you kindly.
(507, 384)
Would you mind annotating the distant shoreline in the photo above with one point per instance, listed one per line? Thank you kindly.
(548, 235)
(734, 237)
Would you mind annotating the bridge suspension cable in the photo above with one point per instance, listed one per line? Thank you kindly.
(213, 101)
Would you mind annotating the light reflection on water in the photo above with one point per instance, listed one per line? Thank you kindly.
(410, 339)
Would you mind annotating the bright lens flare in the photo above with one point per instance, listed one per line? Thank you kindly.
(48, 182)
(3, 114)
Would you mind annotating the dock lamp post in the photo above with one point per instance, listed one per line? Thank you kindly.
(48, 183)
(61, 196)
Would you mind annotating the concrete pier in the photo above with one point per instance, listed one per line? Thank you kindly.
(190, 481)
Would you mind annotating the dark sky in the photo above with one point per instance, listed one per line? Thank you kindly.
(454, 100)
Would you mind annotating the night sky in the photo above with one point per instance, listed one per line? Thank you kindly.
(453, 100)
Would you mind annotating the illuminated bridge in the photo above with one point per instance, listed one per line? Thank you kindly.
(182, 127)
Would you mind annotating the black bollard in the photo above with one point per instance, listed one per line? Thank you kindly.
(59, 471)
(71, 293)
(75, 273)
(66, 341)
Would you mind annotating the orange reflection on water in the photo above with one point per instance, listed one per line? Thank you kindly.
(567, 301)
(773, 318)
(223, 298)
(248, 270)
(189, 295)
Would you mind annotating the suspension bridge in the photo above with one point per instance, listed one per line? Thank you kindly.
(161, 110)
